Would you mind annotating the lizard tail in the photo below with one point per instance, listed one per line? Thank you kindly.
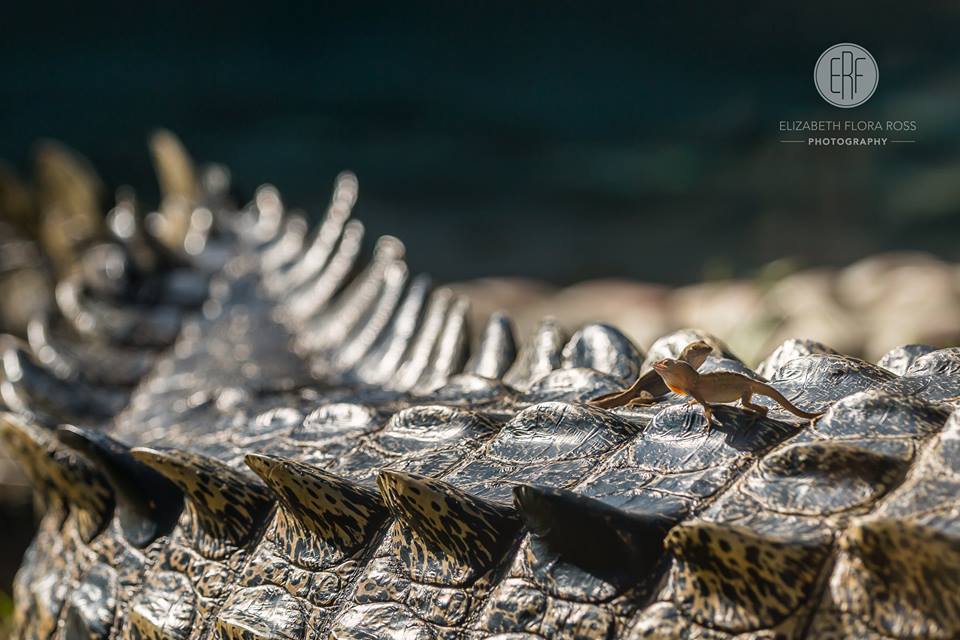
(770, 392)
(608, 400)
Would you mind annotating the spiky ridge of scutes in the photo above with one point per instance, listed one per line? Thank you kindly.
(434, 548)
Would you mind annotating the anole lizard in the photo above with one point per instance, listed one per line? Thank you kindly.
(720, 386)
(650, 385)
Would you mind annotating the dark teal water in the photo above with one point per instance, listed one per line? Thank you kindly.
(562, 140)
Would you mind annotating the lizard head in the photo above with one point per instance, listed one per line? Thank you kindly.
(695, 353)
(676, 373)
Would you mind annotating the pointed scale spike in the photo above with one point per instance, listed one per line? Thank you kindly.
(672, 345)
(787, 351)
(610, 543)
(368, 333)
(174, 167)
(417, 357)
(346, 187)
(313, 296)
(69, 196)
(19, 201)
(292, 281)
(180, 188)
(735, 579)
(331, 328)
(497, 351)
(59, 473)
(383, 360)
(147, 503)
(602, 348)
(227, 504)
(339, 511)
(450, 353)
(285, 249)
(28, 445)
(900, 576)
(472, 530)
(268, 227)
(900, 359)
(538, 357)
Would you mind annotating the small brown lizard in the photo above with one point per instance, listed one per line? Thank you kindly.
(650, 385)
(721, 386)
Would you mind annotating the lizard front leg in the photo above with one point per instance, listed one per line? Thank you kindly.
(707, 412)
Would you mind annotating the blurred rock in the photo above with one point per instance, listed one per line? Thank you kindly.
(866, 309)
(807, 308)
(514, 296)
(900, 299)
(639, 310)
(732, 310)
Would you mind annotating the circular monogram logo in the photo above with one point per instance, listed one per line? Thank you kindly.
(846, 75)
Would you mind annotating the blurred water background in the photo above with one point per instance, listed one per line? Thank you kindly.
(560, 140)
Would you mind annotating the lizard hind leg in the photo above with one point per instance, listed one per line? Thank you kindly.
(707, 413)
(642, 399)
(756, 408)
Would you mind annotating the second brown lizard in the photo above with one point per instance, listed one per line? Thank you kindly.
(650, 386)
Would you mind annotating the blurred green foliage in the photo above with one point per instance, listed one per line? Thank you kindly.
(6, 614)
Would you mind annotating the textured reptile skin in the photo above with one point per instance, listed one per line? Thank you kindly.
(315, 449)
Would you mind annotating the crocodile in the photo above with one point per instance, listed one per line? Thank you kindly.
(238, 428)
